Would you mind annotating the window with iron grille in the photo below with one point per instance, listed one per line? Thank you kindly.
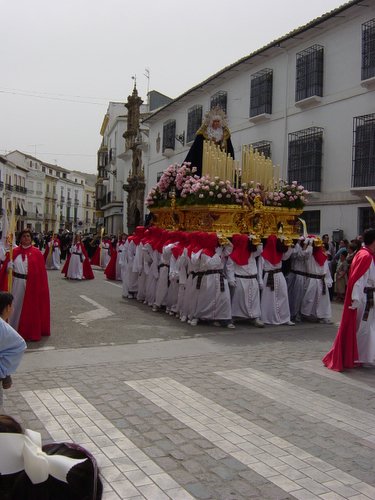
(194, 121)
(309, 72)
(263, 147)
(363, 151)
(169, 134)
(261, 92)
(305, 149)
(366, 219)
(368, 50)
(219, 100)
(312, 219)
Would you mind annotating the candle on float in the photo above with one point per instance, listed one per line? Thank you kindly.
(277, 177)
(270, 173)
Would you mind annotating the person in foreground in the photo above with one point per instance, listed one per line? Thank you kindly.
(30, 316)
(355, 340)
(32, 471)
(12, 345)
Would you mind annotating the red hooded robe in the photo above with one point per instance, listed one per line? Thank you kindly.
(35, 316)
(344, 352)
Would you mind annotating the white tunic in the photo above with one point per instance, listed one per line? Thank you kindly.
(213, 302)
(105, 256)
(18, 290)
(161, 291)
(75, 268)
(53, 257)
(124, 268)
(296, 282)
(120, 248)
(190, 293)
(315, 303)
(274, 304)
(365, 329)
(245, 295)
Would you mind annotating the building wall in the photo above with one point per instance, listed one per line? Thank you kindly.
(343, 99)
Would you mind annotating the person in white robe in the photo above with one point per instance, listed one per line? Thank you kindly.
(274, 301)
(242, 273)
(75, 267)
(163, 284)
(316, 304)
(54, 254)
(105, 253)
(296, 279)
(213, 301)
(363, 295)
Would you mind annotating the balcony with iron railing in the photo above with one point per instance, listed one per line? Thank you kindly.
(62, 199)
(1, 184)
(76, 201)
(69, 202)
(8, 187)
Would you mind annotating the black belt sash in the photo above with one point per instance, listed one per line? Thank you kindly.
(318, 277)
(163, 265)
(369, 292)
(205, 273)
(19, 275)
(246, 277)
(80, 255)
(300, 273)
(270, 277)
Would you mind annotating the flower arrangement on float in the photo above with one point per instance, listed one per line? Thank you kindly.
(291, 195)
(180, 182)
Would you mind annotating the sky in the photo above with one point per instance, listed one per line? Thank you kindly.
(62, 62)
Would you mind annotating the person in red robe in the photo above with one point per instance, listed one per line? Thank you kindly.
(80, 267)
(344, 352)
(31, 311)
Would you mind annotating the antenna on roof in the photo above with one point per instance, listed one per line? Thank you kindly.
(147, 75)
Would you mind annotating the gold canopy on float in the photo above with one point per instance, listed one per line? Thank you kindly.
(252, 216)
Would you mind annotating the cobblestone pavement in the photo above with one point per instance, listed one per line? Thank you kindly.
(176, 412)
(231, 416)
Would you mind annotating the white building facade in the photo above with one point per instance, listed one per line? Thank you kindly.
(306, 100)
(13, 191)
(114, 174)
(53, 198)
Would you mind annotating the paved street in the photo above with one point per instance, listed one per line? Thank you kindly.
(176, 412)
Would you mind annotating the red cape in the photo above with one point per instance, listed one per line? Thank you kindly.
(110, 270)
(95, 259)
(4, 274)
(344, 352)
(35, 315)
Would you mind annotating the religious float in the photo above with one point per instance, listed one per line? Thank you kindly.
(230, 197)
